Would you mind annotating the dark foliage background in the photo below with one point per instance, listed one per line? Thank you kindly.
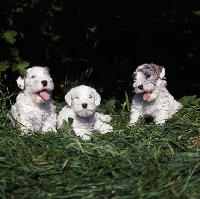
(102, 42)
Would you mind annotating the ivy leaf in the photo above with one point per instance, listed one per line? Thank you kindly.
(197, 13)
(4, 66)
(14, 52)
(189, 100)
(9, 35)
(21, 67)
(54, 37)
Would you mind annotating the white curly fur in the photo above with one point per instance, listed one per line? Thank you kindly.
(82, 101)
(34, 109)
(151, 96)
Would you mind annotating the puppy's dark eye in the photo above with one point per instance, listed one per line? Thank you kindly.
(76, 97)
(33, 76)
(90, 96)
(147, 76)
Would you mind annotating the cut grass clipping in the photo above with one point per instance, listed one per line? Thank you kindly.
(141, 161)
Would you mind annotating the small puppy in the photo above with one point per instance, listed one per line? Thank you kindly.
(151, 96)
(34, 109)
(82, 101)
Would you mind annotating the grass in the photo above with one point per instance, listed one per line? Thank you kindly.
(141, 161)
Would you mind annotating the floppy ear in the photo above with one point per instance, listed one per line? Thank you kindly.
(162, 74)
(160, 70)
(68, 98)
(47, 70)
(97, 98)
(21, 82)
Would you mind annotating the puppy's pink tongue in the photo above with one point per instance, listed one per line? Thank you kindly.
(146, 96)
(45, 95)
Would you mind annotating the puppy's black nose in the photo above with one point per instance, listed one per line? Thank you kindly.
(44, 82)
(84, 105)
(140, 87)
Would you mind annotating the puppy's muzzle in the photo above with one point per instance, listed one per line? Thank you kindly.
(84, 105)
(44, 82)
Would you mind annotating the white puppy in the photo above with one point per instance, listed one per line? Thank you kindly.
(151, 96)
(34, 109)
(82, 101)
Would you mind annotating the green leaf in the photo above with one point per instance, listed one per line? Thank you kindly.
(21, 67)
(70, 120)
(4, 66)
(9, 35)
(55, 37)
(65, 125)
(179, 137)
(189, 100)
(14, 52)
(127, 101)
(197, 13)
(56, 8)
(112, 102)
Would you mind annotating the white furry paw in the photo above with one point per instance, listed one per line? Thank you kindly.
(85, 137)
(83, 133)
(106, 128)
(108, 119)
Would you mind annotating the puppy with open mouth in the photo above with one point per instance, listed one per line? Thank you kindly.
(151, 95)
(34, 109)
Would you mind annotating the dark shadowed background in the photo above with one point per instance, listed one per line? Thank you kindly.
(100, 43)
